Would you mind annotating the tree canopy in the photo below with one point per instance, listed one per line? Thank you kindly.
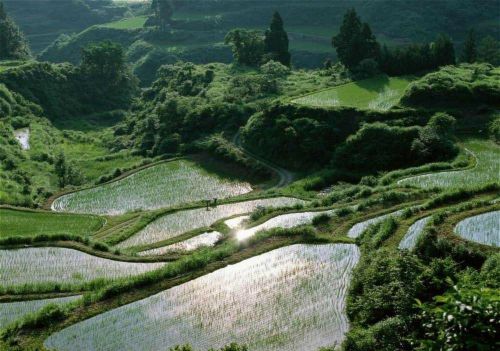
(355, 41)
(276, 42)
(13, 44)
(104, 60)
(247, 46)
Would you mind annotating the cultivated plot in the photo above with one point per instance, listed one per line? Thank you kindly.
(411, 237)
(202, 240)
(172, 225)
(61, 265)
(289, 299)
(379, 93)
(12, 311)
(166, 184)
(31, 223)
(289, 220)
(360, 227)
(483, 228)
(236, 222)
(486, 170)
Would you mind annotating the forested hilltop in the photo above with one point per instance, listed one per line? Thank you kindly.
(249, 175)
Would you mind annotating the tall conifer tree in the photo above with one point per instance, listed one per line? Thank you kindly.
(469, 53)
(276, 41)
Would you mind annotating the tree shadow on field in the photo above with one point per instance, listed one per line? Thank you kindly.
(376, 84)
(226, 170)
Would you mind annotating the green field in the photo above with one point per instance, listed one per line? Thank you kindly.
(486, 170)
(163, 185)
(128, 23)
(380, 93)
(31, 223)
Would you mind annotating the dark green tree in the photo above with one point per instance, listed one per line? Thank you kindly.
(355, 41)
(247, 46)
(276, 42)
(469, 53)
(489, 50)
(163, 11)
(13, 44)
(443, 51)
(104, 61)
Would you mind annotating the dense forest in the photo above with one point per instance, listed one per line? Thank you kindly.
(332, 165)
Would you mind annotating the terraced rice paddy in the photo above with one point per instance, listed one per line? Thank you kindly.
(172, 225)
(61, 265)
(483, 228)
(236, 222)
(410, 239)
(31, 223)
(379, 93)
(289, 299)
(12, 311)
(359, 228)
(166, 184)
(289, 220)
(23, 137)
(486, 170)
(202, 240)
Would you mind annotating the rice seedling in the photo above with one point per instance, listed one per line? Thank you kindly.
(61, 265)
(288, 220)
(487, 168)
(166, 184)
(172, 225)
(31, 223)
(359, 228)
(12, 311)
(236, 222)
(483, 228)
(205, 239)
(379, 93)
(23, 137)
(292, 299)
(416, 229)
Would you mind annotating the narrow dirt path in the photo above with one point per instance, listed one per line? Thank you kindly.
(285, 176)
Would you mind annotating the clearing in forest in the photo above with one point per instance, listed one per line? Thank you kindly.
(292, 299)
(163, 185)
(379, 93)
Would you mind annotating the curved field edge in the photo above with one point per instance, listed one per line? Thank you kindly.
(329, 268)
(15, 226)
(50, 200)
(56, 265)
(434, 179)
(165, 185)
(166, 228)
(482, 228)
(14, 310)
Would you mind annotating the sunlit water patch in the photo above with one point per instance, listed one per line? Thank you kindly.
(288, 220)
(202, 240)
(23, 137)
(172, 225)
(289, 299)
